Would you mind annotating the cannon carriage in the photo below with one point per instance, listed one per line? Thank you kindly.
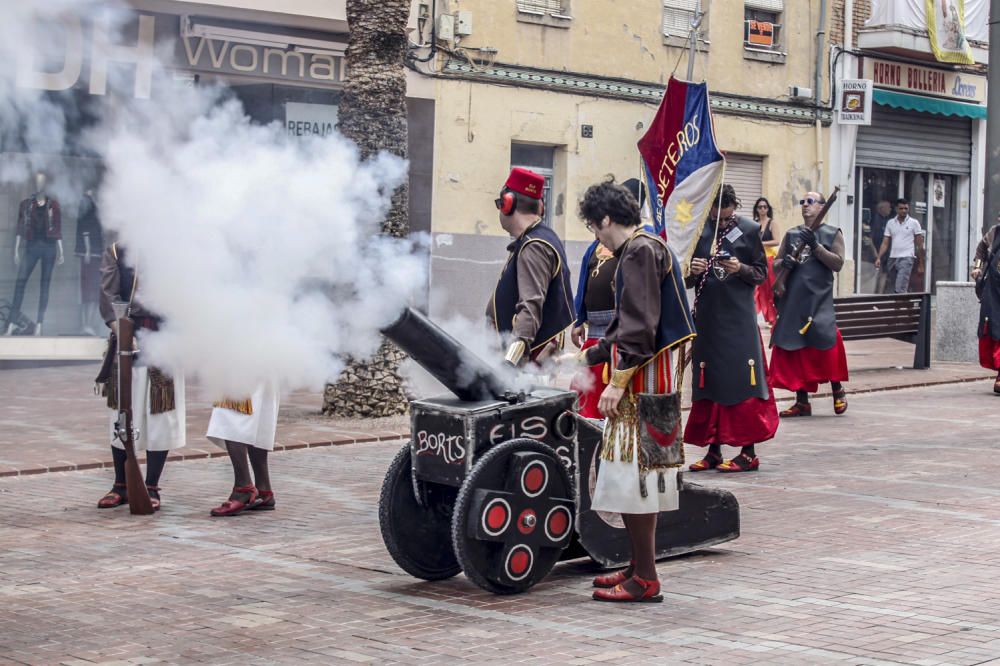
(497, 483)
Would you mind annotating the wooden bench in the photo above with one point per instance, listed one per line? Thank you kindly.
(905, 317)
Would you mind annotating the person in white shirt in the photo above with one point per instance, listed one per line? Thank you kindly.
(907, 238)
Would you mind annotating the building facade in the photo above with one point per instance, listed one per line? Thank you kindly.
(283, 59)
(926, 141)
(567, 88)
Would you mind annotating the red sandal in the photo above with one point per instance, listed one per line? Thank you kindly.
(232, 507)
(612, 579)
(114, 497)
(840, 402)
(650, 593)
(710, 461)
(798, 409)
(264, 501)
(741, 463)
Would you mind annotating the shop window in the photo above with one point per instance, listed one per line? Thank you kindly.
(554, 13)
(541, 160)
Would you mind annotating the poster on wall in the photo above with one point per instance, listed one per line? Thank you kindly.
(938, 192)
(310, 120)
(947, 33)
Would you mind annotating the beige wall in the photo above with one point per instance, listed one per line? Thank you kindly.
(476, 124)
(624, 40)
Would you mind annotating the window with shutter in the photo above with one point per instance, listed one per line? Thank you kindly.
(678, 16)
(557, 7)
(762, 24)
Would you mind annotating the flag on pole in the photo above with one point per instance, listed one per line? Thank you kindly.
(682, 165)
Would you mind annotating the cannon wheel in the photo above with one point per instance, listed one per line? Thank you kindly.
(417, 537)
(513, 516)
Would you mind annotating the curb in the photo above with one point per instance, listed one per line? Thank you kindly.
(189, 453)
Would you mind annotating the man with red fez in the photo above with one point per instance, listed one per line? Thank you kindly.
(636, 478)
(532, 304)
(986, 275)
(808, 347)
(731, 402)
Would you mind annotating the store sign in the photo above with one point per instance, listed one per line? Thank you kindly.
(307, 121)
(920, 80)
(855, 102)
(92, 44)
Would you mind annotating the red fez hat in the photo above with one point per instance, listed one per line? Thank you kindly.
(525, 182)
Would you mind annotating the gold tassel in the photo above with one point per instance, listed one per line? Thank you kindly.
(604, 374)
(241, 406)
(161, 392)
(753, 375)
(623, 431)
(802, 331)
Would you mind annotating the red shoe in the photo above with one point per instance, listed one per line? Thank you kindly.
(264, 501)
(798, 409)
(710, 461)
(650, 593)
(114, 497)
(840, 402)
(612, 579)
(741, 463)
(232, 507)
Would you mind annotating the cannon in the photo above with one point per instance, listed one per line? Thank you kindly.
(497, 483)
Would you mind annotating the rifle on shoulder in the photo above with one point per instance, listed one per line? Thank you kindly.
(779, 280)
(138, 496)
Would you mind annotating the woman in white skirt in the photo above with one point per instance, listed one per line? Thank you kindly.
(651, 317)
(246, 429)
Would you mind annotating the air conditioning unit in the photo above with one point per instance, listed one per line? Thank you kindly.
(798, 92)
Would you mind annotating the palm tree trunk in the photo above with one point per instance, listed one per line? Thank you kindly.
(373, 114)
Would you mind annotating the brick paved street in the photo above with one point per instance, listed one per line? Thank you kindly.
(871, 538)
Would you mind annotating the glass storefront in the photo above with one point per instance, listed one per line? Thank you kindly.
(932, 203)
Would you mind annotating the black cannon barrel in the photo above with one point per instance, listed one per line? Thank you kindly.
(462, 372)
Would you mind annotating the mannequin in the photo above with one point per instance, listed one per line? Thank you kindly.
(38, 240)
(89, 248)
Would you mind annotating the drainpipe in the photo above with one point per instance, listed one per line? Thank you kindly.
(991, 204)
(818, 91)
(849, 24)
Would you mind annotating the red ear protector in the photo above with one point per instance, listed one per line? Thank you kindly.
(508, 202)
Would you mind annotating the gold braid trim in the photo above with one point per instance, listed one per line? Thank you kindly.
(241, 406)
(622, 432)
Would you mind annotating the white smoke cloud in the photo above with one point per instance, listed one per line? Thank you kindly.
(261, 252)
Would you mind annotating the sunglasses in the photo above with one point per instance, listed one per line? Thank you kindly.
(761, 205)
(810, 201)
(499, 202)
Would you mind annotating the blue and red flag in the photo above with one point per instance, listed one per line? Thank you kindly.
(682, 165)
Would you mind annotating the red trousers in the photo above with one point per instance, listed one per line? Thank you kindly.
(805, 369)
(590, 387)
(989, 353)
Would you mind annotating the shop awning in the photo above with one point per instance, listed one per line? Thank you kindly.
(942, 107)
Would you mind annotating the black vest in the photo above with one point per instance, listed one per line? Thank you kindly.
(989, 302)
(728, 358)
(557, 310)
(808, 295)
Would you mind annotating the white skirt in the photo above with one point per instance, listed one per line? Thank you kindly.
(154, 432)
(617, 488)
(257, 430)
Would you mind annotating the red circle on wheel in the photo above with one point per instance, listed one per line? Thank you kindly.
(496, 517)
(519, 562)
(527, 521)
(533, 479)
(558, 523)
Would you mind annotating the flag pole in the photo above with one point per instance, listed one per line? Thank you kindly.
(693, 38)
